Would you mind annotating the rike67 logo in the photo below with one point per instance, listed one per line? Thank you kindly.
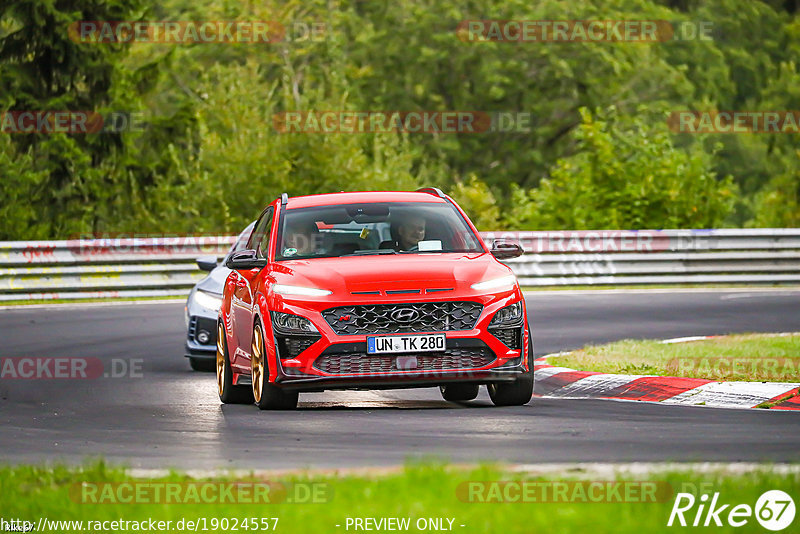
(774, 510)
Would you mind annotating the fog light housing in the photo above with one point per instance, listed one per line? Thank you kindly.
(204, 337)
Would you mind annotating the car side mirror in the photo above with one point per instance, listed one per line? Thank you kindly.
(243, 260)
(504, 250)
(207, 263)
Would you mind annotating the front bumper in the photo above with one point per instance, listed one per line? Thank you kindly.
(431, 370)
(400, 380)
(475, 352)
(193, 348)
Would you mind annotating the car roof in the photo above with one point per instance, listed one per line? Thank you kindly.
(333, 199)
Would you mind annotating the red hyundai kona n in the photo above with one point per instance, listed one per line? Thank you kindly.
(371, 290)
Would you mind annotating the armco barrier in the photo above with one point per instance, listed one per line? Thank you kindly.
(141, 267)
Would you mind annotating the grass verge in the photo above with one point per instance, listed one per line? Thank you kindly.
(419, 493)
(747, 357)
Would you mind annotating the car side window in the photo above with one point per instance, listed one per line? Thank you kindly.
(244, 238)
(259, 240)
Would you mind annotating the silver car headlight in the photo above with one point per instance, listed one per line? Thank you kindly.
(208, 300)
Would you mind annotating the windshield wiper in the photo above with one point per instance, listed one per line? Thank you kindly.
(371, 252)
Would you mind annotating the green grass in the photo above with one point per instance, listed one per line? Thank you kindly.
(749, 357)
(418, 491)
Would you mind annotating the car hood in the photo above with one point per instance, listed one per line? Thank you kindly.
(391, 273)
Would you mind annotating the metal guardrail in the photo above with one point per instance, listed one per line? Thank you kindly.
(100, 268)
(144, 267)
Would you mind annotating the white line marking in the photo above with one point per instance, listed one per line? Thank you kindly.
(732, 394)
(593, 385)
(684, 339)
(547, 372)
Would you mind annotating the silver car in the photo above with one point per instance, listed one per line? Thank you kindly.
(202, 308)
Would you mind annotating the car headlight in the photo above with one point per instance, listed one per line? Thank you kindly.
(287, 323)
(207, 300)
(504, 282)
(283, 289)
(509, 316)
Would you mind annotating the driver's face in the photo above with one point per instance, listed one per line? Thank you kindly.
(411, 233)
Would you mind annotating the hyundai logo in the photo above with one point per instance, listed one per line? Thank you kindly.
(404, 315)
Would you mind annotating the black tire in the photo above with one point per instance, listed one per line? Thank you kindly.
(459, 392)
(267, 396)
(202, 364)
(228, 393)
(518, 392)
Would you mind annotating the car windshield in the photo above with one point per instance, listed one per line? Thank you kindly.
(375, 228)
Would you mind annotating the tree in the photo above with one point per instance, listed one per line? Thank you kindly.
(627, 174)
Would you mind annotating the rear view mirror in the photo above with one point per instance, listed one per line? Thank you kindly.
(504, 250)
(207, 263)
(244, 260)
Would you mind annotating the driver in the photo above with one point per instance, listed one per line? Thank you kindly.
(410, 231)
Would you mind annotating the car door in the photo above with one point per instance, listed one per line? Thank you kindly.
(242, 300)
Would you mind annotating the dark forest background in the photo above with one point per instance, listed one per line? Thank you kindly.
(599, 153)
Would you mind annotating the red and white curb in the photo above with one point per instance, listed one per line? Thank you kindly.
(562, 382)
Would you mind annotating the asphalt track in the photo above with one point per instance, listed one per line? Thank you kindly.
(170, 416)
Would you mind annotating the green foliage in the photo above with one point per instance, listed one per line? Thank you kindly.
(18, 182)
(210, 157)
(628, 176)
(476, 199)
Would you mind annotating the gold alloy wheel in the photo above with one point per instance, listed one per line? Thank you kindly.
(220, 360)
(257, 363)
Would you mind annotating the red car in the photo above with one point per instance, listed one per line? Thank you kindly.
(371, 290)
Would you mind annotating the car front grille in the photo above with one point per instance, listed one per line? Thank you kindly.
(361, 363)
(203, 324)
(402, 318)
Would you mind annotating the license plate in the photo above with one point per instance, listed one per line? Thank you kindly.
(415, 343)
